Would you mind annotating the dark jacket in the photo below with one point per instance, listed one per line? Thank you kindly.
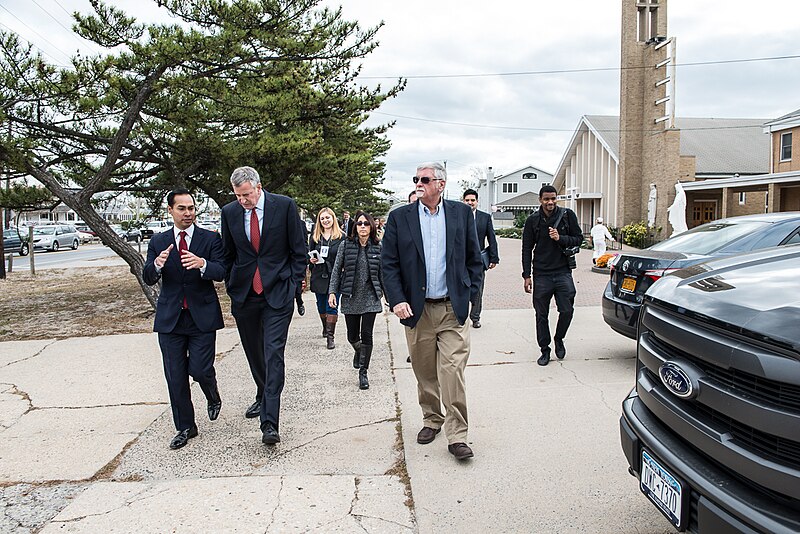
(485, 229)
(321, 272)
(282, 254)
(547, 254)
(403, 259)
(178, 282)
(349, 263)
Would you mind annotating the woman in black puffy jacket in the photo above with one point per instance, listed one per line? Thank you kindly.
(357, 276)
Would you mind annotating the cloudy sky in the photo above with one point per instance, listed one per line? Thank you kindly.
(487, 81)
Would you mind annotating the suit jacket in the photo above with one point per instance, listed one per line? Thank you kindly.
(403, 259)
(282, 254)
(483, 224)
(178, 282)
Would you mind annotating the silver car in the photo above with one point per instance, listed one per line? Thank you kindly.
(56, 236)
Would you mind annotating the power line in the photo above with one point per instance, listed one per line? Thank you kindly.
(529, 129)
(55, 61)
(34, 31)
(572, 71)
(71, 32)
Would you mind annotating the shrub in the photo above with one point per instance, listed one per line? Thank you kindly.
(519, 220)
(603, 260)
(513, 233)
(639, 235)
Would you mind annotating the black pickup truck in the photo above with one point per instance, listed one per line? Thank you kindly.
(712, 428)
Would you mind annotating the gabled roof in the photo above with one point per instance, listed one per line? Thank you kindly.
(524, 200)
(538, 171)
(790, 120)
(720, 146)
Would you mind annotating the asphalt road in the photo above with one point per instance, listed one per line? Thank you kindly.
(83, 256)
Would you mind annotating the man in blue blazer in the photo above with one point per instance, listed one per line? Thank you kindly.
(432, 268)
(489, 253)
(265, 260)
(187, 259)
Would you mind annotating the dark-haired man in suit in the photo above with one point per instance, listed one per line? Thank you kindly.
(485, 229)
(432, 267)
(265, 260)
(187, 259)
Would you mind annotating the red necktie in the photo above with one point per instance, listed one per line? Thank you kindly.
(255, 240)
(181, 247)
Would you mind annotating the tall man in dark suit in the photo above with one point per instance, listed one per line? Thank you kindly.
(485, 229)
(432, 267)
(187, 259)
(265, 260)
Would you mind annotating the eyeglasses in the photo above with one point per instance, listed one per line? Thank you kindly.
(362, 223)
(424, 179)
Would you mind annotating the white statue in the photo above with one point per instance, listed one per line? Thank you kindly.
(677, 211)
(651, 206)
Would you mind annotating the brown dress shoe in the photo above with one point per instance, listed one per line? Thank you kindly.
(427, 434)
(460, 450)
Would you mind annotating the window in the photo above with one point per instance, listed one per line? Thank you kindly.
(545, 183)
(529, 176)
(742, 198)
(786, 146)
(510, 187)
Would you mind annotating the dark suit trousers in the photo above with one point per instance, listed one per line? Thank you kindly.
(263, 331)
(477, 301)
(186, 351)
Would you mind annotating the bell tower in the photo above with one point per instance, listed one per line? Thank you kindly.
(649, 141)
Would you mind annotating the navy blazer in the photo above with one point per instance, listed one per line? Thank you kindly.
(281, 257)
(483, 224)
(178, 282)
(403, 259)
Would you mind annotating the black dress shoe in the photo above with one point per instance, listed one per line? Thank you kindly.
(214, 403)
(183, 437)
(460, 450)
(427, 434)
(301, 309)
(254, 410)
(544, 359)
(213, 410)
(270, 435)
(476, 324)
(561, 350)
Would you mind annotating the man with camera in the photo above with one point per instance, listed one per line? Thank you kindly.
(550, 240)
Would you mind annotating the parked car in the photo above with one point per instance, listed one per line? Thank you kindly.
(712, 426)
(85, 237)
(15, 240)
(155, 227)
(131, 234)
(55, 236)
(85, 229)
(632, 273)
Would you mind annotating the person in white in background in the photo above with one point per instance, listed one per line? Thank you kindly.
(599, 235)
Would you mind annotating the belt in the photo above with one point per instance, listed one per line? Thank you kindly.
(438, 301)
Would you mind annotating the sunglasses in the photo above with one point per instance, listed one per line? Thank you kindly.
(362, 223)
(424, 179)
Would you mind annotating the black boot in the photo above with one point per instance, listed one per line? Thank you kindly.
(331, 322)
(363, 365)
(357, 354)
(324, 317)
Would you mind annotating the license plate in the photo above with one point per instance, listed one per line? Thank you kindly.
(662, 488)
(628, 284)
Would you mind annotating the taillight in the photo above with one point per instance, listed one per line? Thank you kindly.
(655, 274)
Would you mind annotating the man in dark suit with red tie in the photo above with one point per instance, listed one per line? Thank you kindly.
(265, 261)
(187, 259)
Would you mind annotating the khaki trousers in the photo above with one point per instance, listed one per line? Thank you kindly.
(439, 349)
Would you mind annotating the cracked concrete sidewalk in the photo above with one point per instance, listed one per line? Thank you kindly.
(85, 424)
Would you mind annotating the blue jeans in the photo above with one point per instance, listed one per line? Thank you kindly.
(322, 304)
